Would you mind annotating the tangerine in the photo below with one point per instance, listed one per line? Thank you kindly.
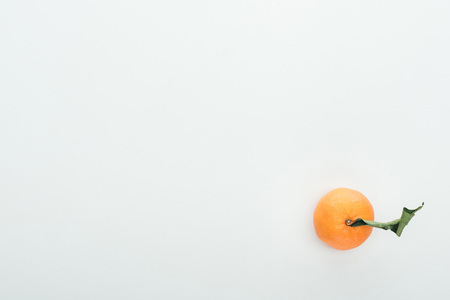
(336, 211)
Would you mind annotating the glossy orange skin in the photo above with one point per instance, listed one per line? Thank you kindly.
(334, 209)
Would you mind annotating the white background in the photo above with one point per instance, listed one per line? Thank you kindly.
(177, 149)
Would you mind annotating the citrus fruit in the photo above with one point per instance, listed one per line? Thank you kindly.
(334, 214)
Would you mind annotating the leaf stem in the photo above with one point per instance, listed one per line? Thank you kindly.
(396, 226)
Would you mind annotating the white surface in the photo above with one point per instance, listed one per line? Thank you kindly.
(177, 149)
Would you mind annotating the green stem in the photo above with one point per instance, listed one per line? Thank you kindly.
(396, 226)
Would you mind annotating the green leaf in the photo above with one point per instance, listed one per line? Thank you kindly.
(396, 226)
